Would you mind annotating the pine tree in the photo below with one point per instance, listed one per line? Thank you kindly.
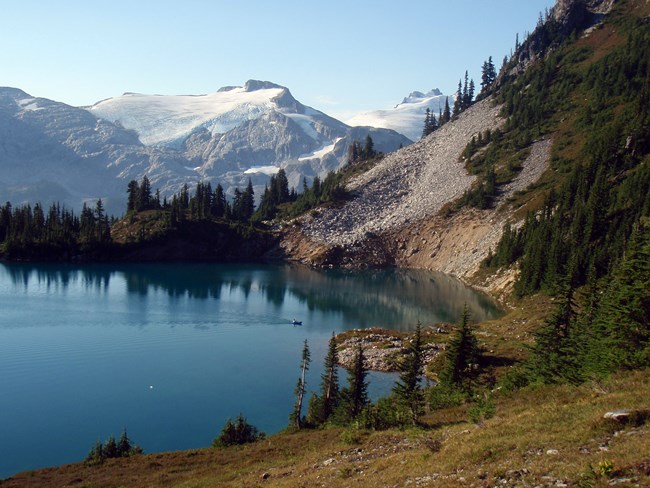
(470, 92)
(102, 226)
(408, 388)
(248, 202)
(458, 103)
(552, 355)
(110, 448)
(426, 130)
(488, 75)
(356, 393)
(369, 148)
(465, 102)
(621, 327)
(329, 381)
(446, 115)
(218, 209)
(296, 415)
(133, 200)
(237, 433)
(145, 194)
(124, 445)
(281, 187)
(462, 357)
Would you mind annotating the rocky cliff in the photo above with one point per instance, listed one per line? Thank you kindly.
(395, 219)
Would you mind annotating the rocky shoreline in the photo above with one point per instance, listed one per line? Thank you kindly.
(383, 349)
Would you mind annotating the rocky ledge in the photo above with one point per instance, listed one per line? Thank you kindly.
(407, 185)
(384, 349)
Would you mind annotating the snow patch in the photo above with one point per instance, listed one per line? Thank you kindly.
(266, 170)
(28, 104)
(320, 153)
(306, 123)
(407, 117)
(165, 119)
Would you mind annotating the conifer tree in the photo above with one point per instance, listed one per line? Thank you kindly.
(446, 115)
(369, 148)
(145, 194)
(408, 388)
(465, 98)
(218, 209)
(470, 92)
(458, 103)
(427, 123)
(296, 415)
(621, 327)
(329, 381)
(552, 354)
(133, 200)
(462, 357)
(124, 445)
(356, 393)
(430, 123)
(321, 407)
(110, 448)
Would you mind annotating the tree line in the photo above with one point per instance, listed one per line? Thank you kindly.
(30, 232)
(463, 100)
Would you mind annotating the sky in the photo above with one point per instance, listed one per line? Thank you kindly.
(341, 57)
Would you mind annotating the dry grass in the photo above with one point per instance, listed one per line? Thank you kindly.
(537, 437)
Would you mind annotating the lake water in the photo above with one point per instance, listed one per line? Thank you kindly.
(169, 351)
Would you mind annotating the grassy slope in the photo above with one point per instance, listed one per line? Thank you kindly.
(509, 449)
(512, 448)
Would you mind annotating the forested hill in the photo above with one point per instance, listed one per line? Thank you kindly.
(543, 184)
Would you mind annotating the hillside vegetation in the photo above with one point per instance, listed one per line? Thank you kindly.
(520, 400)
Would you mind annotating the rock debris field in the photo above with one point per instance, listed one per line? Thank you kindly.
(407, 185)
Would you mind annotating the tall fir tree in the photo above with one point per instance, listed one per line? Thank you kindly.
(458, 103)
(301, 387)
(322, 407)
(462, 357)
(620, 335)
(356, 393)
(552, 355)
(446, 114)
(408, 388)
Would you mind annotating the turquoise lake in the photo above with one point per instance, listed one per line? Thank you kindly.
(169, 351)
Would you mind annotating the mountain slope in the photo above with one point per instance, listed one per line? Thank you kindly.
(572, 101)
(407, 117)
(241, 132)
(50, 151)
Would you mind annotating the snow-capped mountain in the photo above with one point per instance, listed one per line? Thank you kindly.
(407, 117)
(50, 151)
(168, 120)
(243, 132)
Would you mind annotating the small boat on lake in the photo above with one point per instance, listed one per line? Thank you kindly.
(296, 322)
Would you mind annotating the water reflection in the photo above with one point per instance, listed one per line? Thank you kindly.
(392, 298)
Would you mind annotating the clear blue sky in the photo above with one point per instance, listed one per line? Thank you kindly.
(341, 57)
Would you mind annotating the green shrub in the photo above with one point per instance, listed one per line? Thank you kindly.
(237, 432)
(482, 408)
(112, 449)
(444, 397)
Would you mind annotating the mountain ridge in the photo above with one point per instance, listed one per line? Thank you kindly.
(269, 129)
(407, 117)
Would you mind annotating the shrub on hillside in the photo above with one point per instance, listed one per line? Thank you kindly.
(237, 432)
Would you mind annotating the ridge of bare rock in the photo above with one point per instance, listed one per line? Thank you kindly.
(408, 185)
(395, 218)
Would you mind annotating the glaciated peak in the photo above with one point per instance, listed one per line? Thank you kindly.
(254, 85)
(14, 93)
(418, 96)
